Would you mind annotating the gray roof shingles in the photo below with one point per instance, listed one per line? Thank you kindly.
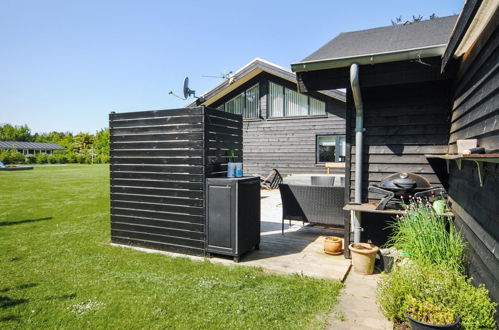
(30, 145)
(386, 39)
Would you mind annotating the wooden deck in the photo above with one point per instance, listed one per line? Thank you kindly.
(298, 251)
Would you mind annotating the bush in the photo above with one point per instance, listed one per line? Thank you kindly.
(438, 285)
(11, 156)
(427, 237)
(82, 159)
(51, 159)
(60, 158)
(41, 158)
(30, 159)
(71, 157)
(17, 158)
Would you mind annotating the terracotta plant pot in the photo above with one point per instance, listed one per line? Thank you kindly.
(333, 245)
(363, 257)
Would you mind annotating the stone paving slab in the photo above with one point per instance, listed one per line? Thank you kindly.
(356, 308)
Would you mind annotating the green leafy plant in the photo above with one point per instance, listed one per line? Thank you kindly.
(427, 237)
(41, 158)
(427, 312)
(30, 159)
(436, 284)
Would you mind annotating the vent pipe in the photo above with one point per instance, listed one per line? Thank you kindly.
(359, 130)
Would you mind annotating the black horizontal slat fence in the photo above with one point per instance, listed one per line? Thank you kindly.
(159, 163)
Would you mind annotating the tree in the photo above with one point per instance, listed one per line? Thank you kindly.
(101, 143)
(77, 148)
(15, 133)
(415, 19)
(83, 142)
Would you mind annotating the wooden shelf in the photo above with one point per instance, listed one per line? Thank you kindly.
(478, 159)
(370, 208)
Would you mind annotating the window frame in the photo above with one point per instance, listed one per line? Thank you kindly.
(284, 103)
(222, 107)
(337, 143)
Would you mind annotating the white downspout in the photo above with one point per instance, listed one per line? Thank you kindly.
(359, 129)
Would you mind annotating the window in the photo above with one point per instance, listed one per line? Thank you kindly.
(276, 100)
(285, 102)
(330, 148)
(247, 103)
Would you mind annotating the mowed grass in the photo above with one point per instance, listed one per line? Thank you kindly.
(58, 270)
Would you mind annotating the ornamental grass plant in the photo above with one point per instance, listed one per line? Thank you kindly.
(427, 237)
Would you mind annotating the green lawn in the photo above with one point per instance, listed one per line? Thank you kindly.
(58, 270)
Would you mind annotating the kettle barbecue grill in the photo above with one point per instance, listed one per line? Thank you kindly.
(400, 186)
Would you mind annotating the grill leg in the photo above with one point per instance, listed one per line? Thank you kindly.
(388, 196)
(384, 201)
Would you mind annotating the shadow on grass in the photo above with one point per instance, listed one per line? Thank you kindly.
(9, 318)
(6, 302)
(11, 223)
(20, 287)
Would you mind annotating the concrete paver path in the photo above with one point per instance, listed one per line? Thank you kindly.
(357, 307)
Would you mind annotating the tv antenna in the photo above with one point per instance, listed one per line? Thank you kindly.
(223, 75)
(186, 91)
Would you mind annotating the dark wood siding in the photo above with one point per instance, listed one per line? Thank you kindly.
(475, 106)
(287, 144)
(477, 209)
(475, 114)
(402, 123)
(159, 162)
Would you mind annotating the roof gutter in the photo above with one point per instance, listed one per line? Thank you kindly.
(402, 55)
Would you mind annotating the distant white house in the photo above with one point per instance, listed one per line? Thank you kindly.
(31, 148)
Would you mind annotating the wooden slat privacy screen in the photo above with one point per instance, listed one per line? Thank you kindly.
(159, 163)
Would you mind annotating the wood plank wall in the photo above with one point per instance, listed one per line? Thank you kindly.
(475, 114)
(224, 135)
(159, 162)
(475, 104)
(287, 144)
(402, 123)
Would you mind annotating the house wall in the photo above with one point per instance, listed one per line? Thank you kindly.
(475, 114)
(402, 123)
(287, 144)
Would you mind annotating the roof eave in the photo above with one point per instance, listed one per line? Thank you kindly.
(255, 67)
(402, 55)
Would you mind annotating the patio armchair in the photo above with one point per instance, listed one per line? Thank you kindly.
(272, 180)
(314, 204)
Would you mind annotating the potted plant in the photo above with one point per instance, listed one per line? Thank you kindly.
(333, 245)
(234, 169)
(426, 315)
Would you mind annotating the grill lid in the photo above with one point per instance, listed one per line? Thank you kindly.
(405, 181)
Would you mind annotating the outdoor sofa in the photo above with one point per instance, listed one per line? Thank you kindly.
(312, 203)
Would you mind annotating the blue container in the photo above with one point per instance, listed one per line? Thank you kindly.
(239, 170)
(231, 170)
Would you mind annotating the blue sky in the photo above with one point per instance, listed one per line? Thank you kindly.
(64, 65)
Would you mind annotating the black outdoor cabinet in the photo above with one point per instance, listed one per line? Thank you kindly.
(232, 215)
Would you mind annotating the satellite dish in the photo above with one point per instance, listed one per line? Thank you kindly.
(187, 91)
